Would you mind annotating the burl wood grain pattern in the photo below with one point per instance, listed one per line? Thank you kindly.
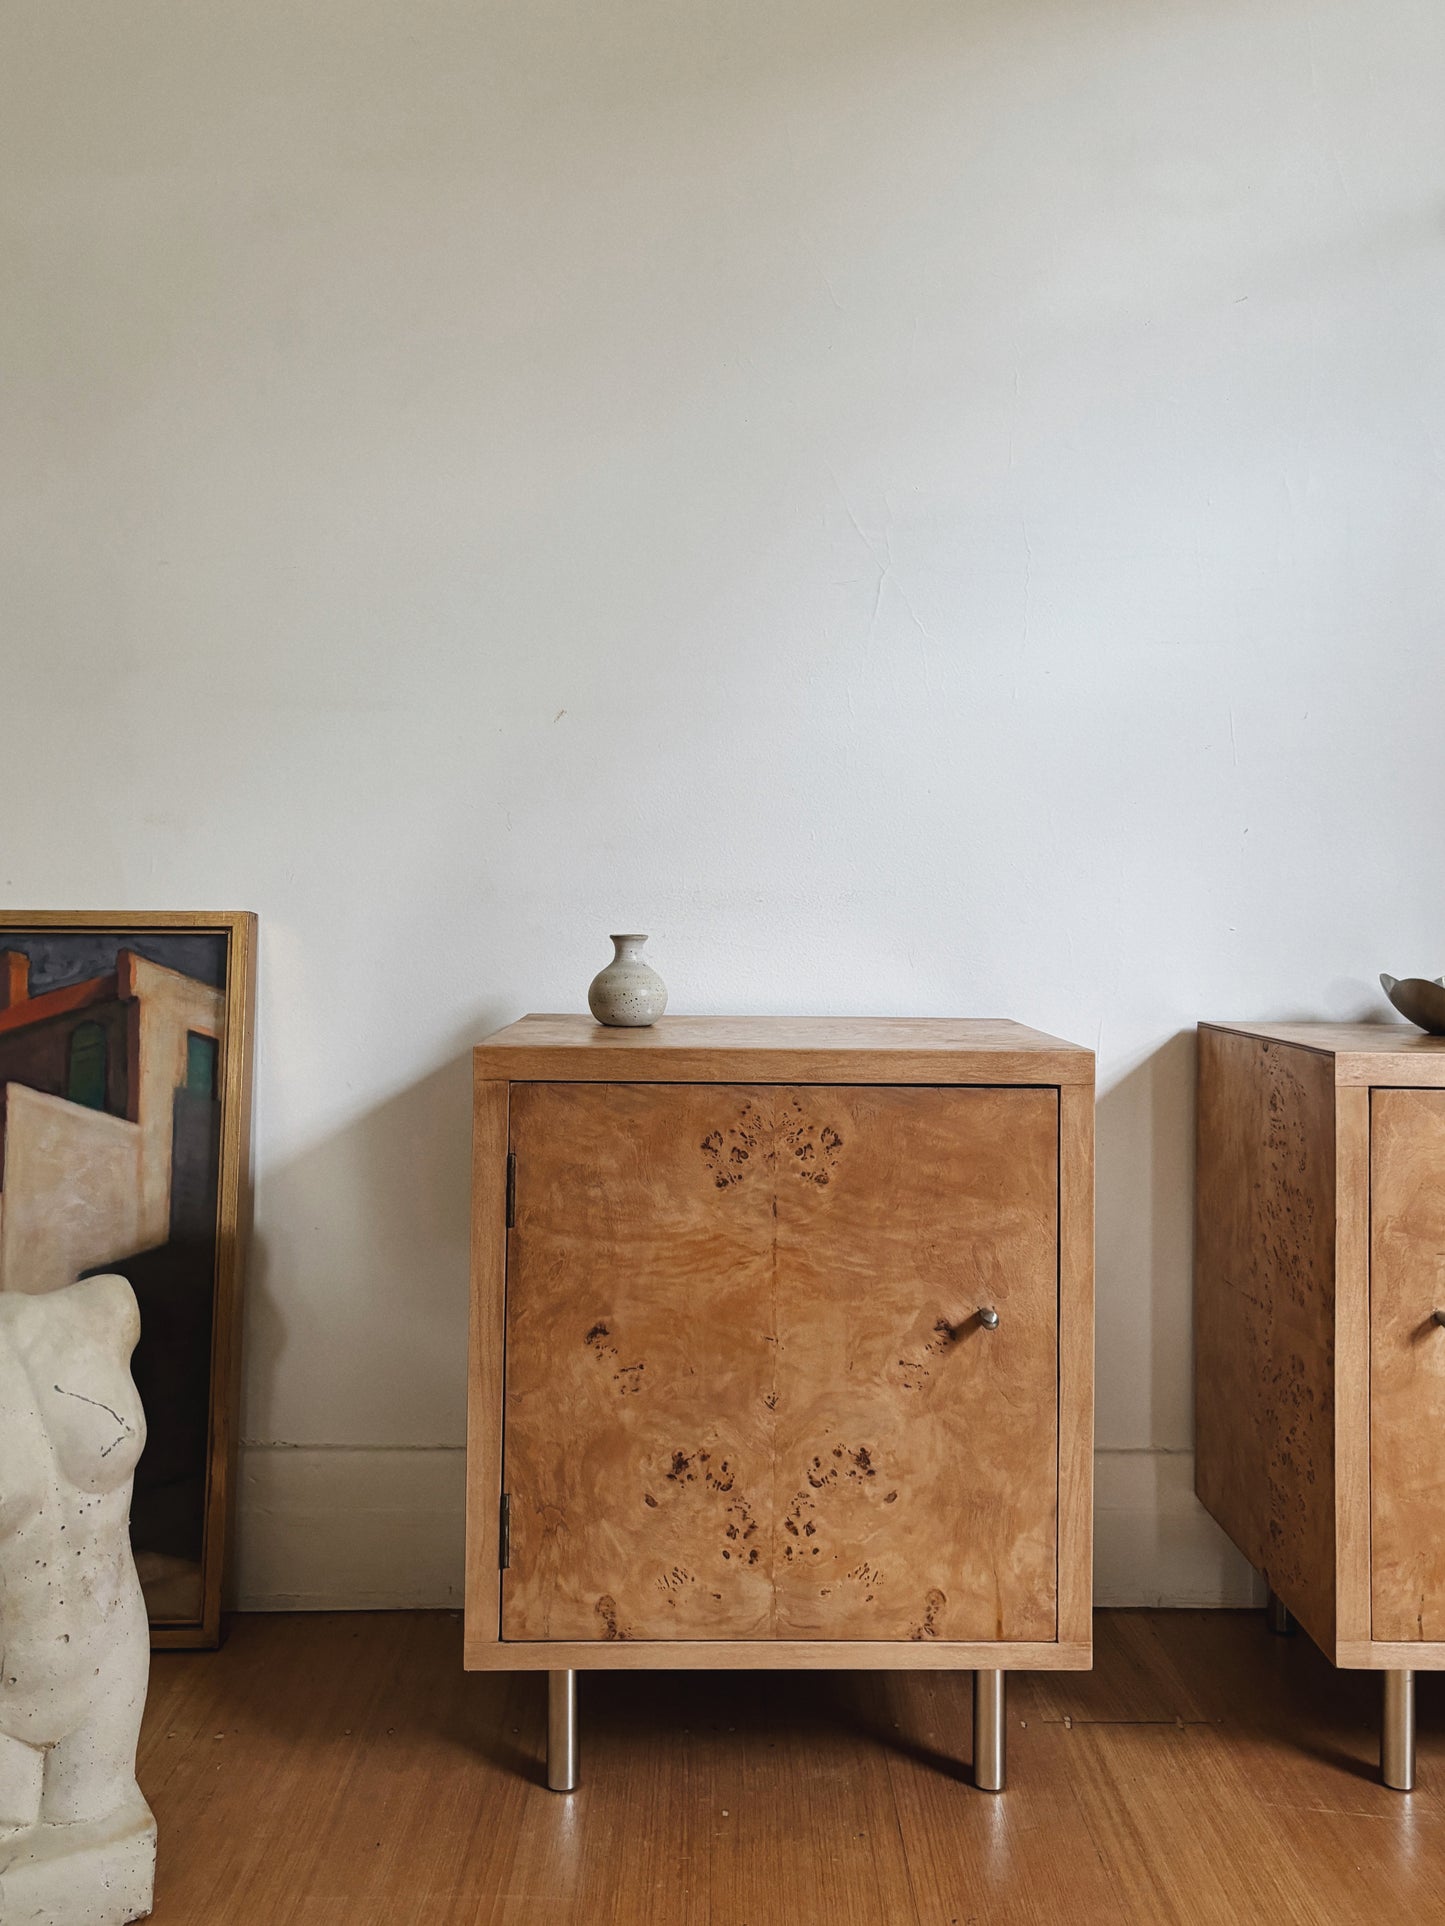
(487, 1351)
(1352, 1367)
(1264, 1312)
(779, 1049)
(1407, 1364)
(748, 1395)
(1076, 1364)
(1362, 1053)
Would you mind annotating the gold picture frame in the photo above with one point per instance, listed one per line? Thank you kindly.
(145, 1020)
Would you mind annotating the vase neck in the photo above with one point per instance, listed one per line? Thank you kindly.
(628, 948)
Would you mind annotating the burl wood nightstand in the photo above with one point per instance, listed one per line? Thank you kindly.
(782, 1352)
(1319, 1352)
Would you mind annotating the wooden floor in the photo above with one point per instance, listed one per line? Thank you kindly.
(343, 1771)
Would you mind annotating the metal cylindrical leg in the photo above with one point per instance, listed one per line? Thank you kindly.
(1397, 1732)
(1277, 1618)
(562, 1731)
(988, 1741)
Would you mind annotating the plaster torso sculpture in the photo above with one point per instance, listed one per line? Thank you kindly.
(77, 1840)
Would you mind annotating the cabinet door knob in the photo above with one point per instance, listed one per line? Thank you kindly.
(988, 1317)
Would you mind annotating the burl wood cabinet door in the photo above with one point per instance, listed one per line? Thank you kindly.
(748, 1394)
(1407, 1364)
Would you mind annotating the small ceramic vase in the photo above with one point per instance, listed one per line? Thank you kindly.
(628, 994)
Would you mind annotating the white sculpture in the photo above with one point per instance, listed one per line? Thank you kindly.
(77, 1840)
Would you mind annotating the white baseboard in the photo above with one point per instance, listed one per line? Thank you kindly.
(337, 1528)
(1154, 1543)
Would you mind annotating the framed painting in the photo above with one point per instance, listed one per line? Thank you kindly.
(125, 1101)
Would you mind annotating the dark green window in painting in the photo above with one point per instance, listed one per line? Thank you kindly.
(85, 1066)
(201, 1055)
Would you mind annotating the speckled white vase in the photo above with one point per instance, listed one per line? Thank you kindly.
(628, 994)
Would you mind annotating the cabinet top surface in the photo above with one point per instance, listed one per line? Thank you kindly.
(1389, 1053)
(784, 1049)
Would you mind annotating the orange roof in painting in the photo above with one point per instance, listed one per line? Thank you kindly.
(54, 1003)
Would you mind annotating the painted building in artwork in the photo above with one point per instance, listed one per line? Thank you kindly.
(108, 1095)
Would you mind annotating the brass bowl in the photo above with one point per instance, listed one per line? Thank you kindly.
(1421, 1001)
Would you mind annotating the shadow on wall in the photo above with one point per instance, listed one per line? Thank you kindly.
(1145, 1167)
(1145, 1156)
(1154, 1543)
(360, 1501)
(365, 1231)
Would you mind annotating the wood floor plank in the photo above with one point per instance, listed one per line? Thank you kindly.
(811, 1830)
(1152, 1798)
(342, 1770)
(759, 1806)
(1302, 1739)
(1137, 1677)
(975, 1856)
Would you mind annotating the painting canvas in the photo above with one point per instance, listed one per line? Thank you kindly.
(125, 1047)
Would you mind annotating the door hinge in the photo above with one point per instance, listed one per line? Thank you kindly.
(511, 1190)
(504, 1534)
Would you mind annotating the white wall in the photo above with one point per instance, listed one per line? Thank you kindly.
(927, 508)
